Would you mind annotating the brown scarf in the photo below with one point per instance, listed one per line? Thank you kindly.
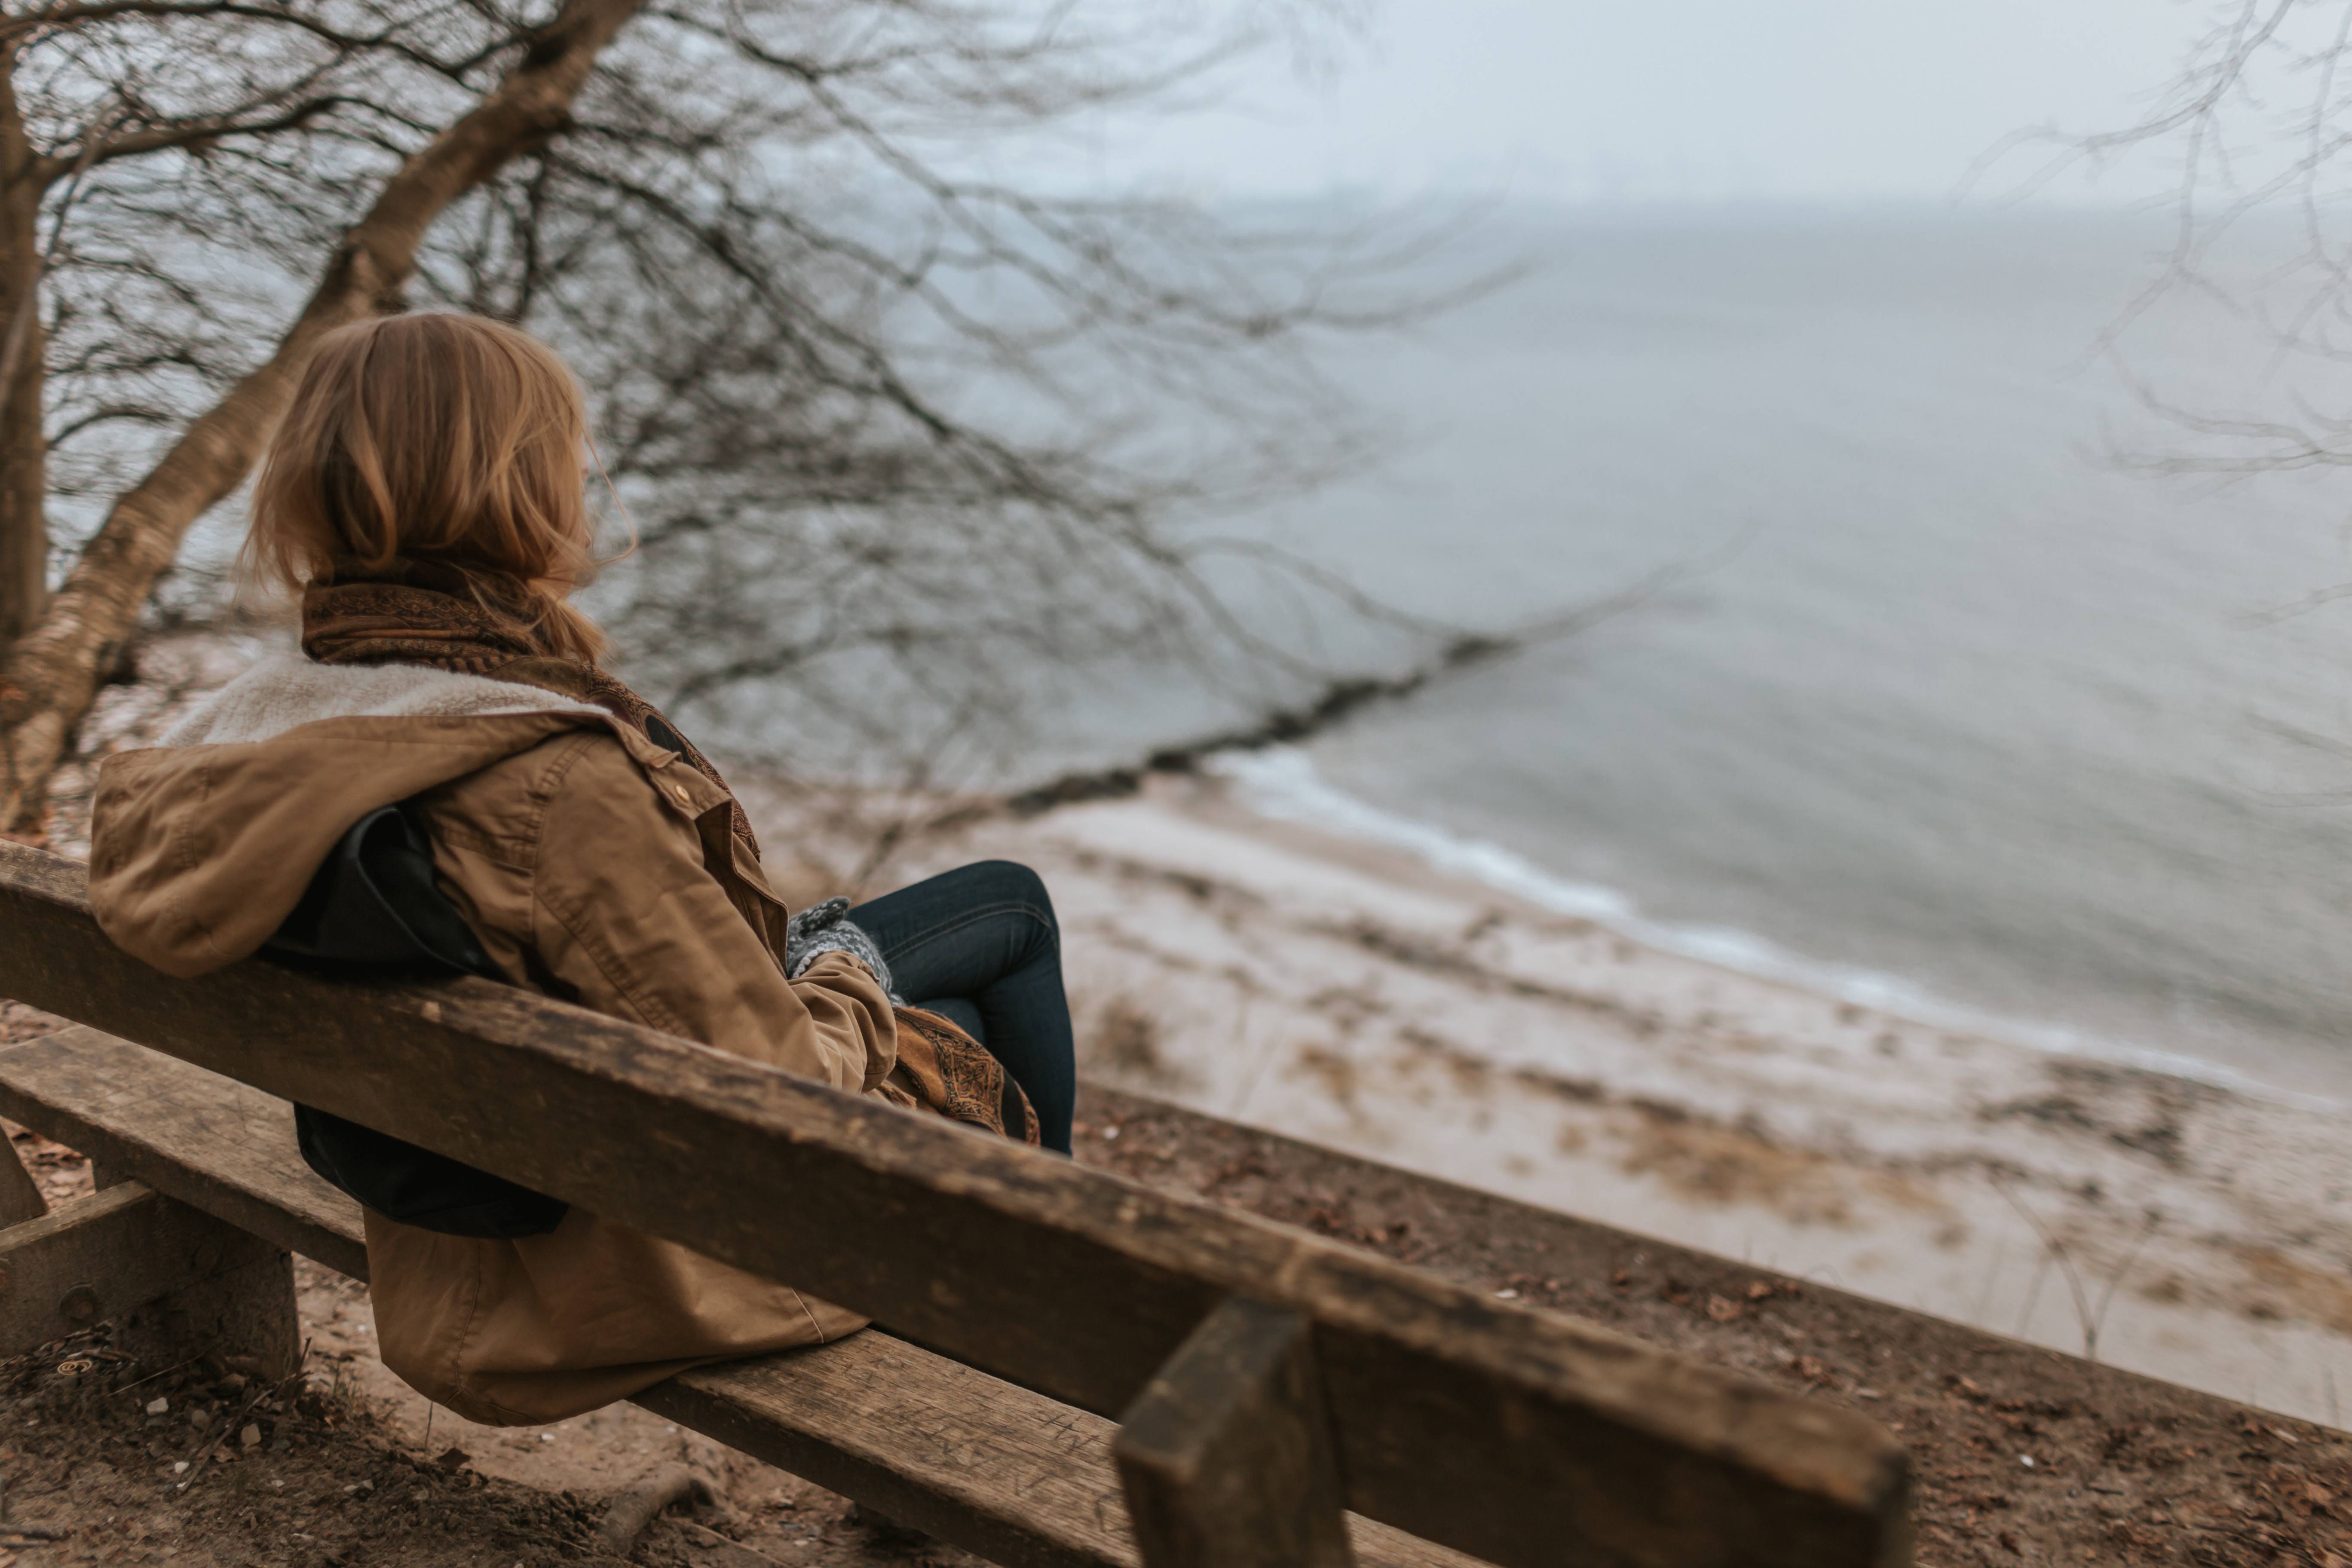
(422, 612)
(944, 1071)
(474, 623)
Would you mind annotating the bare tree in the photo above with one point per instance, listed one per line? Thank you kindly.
(887, 423)
(148, 133)
(106, 84)
(2256, 133)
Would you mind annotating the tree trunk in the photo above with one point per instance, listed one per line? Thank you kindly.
(24, 447)
(51, 675)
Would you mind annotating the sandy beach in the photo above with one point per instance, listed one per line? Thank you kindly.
(1349, 995)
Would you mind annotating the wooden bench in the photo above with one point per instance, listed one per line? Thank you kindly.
(1073, 1369)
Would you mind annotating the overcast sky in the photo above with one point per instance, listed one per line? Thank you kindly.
(1670, 98)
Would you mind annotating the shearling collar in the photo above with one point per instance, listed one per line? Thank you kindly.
(202, 845)
(286, 691)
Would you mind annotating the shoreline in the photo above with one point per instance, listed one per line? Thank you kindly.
(1347, 993)
(1281, 784)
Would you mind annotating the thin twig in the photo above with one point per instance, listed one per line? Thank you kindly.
(2059, 1253)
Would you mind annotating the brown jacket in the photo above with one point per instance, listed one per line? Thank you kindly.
(594, 866)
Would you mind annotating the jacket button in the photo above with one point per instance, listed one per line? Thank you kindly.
(678, 790)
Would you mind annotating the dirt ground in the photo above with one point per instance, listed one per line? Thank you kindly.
(2024, 1455)
(106, 1466)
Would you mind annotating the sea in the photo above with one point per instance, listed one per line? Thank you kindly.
(1962, 692)
(1949, 679)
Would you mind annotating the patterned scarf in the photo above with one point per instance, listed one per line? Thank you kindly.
(947, 1072)
(474, 623)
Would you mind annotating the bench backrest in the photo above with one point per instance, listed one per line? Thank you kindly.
(1524, 1437)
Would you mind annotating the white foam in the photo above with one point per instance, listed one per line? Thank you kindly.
(1282, 783)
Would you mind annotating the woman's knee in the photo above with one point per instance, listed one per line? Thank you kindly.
(1010, 882)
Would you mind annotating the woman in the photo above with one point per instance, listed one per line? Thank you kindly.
(426, 496)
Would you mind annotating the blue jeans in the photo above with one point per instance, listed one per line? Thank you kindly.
(978, 945)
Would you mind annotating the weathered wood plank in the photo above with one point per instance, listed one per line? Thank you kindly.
(998, 1469)
(208, 1141)
(1227, 1455)
(1434, 1389)
(20, 1196)
(169, 1276)
(243, 1318)
(72, 1269)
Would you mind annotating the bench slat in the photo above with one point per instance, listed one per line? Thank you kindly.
(1012, 1475)
(208, 1141)
(1520, 1436)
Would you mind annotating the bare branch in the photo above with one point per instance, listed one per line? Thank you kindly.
(51, 675)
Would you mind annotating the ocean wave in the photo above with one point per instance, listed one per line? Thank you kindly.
(1283, 783)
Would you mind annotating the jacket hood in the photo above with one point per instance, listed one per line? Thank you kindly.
(202, 845)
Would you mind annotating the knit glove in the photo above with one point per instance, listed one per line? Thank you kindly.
(821, 927)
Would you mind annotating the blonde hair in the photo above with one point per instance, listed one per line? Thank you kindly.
(440, 437)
